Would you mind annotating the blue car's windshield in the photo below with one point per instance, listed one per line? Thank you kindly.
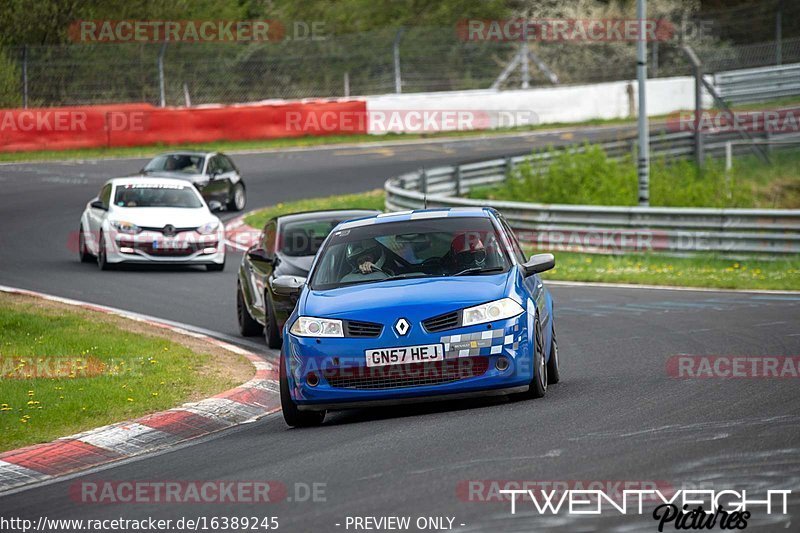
(433, 247)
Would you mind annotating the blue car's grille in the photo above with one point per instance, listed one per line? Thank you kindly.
(413, 375)
(442, 322)
(363, 329)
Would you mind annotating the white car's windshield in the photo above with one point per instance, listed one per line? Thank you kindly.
(150, 195)
(448, 246)
(184, 163)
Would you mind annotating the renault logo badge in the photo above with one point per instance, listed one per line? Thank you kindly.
(402, 326)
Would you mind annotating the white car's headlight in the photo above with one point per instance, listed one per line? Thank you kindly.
(125, 227)
(489, 312)
(308, 326)
(211, 227)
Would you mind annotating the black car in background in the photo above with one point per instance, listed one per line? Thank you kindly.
(282, 256)
(213, 173)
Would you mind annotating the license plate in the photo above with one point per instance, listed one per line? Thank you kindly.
(405, 355)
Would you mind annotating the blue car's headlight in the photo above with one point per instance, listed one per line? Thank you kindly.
(125, 227)
(309, 326)
(491, 311)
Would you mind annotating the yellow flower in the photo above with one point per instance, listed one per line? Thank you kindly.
(130, 399)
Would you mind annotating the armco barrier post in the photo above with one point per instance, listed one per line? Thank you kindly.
(458, 180)
(25, 77)
(161, 86)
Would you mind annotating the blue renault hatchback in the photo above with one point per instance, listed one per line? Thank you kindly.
(436, 304)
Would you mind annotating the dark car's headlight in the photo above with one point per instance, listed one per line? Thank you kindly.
(309, 326)
(491, 311)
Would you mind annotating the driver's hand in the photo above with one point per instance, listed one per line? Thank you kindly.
(367, 267)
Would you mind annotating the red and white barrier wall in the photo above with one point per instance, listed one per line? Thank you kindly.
(65, 128)
(143, 124)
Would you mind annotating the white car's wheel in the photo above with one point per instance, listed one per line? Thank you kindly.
(238, 198)
(83, 251)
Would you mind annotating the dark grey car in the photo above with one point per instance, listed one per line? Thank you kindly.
(213, 173)
(286, 248)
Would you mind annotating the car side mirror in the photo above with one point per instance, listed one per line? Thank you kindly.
(539, 263)
(288, 285)
(98, 204)
(214, 205)
(259, 254)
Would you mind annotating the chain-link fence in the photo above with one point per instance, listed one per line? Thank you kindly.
(378, 62)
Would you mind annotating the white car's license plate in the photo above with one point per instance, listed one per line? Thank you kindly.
(405, 355)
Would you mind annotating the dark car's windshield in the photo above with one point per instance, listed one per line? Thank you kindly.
(150, 195)
(183, 163)
(432, 247)
(301, 238)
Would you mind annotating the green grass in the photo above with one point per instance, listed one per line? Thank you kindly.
(590, 178)
(648, 269)
(92, 371)
(653, 269)
(368, 200)
(270, 144)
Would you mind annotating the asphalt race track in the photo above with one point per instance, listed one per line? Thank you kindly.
(616, 416)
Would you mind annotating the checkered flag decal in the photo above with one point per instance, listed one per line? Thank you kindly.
(489, 342)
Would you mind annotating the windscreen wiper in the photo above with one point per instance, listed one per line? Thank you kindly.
(477, 270)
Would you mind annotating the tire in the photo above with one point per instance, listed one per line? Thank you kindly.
(271, 332)
(553, 364)
(248, 326)
(538, 385)
(83, 252)
(291, 414)
(214, 267)
(102, 259)
(238, 198)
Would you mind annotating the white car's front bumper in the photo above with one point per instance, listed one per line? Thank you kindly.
(151, 247)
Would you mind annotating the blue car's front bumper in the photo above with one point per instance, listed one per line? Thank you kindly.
(338, 366)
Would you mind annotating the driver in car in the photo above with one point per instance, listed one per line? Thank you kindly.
(367, 258)
(468, 251)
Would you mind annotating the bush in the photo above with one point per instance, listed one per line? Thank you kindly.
(10, 93)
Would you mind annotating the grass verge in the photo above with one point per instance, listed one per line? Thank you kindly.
(271, 144)
(591, 178)
(64, 370)
(367, 200)
(647, 269)
(655, 269)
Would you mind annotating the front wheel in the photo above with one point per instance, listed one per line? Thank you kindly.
(102, 255)
(553, 364)
(83, 251)
(248, 326)
(538, 385)
(271, 332)
(238, 198)
(291, 414)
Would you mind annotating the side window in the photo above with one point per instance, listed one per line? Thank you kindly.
(214, 166)
(225, 163)
(514, 242)
(105, 195)
(269, 238)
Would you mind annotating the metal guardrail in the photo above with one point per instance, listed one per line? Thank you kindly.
(607, 228)
(758, 84)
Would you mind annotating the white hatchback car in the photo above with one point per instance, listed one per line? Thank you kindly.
(144, 219)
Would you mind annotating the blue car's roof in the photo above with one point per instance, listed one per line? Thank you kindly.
(418, 214)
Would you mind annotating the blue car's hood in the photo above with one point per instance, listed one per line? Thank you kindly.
(418, 298)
